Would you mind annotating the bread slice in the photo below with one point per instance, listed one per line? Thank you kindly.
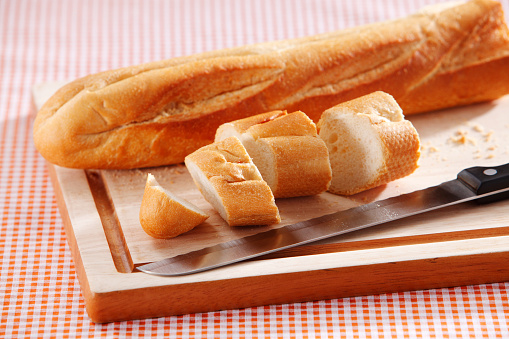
(164, 215)
(369, 142)
(286, 150)
(230, 182)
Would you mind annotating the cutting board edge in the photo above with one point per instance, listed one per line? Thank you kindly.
(305, 282)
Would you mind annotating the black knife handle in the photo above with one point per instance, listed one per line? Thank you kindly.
(486, 179)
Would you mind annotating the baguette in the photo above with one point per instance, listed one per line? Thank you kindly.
(231, 183)
(286, 150)
(157, 113)
(163, 215)
(369, 142)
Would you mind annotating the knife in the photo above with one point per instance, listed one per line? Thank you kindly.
(484, 184)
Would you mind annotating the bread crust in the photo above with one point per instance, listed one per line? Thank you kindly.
(157, 113)
(301, 165)
(230, 182)
(242, 125)
(163, 216)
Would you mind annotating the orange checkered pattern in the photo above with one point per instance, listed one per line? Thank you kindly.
(48, 40)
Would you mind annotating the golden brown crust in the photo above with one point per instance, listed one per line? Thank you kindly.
(157, 113)
(300, 165)
(242, 125)
(230, 182)
(401, 147)
(162, 216)
(295, 124)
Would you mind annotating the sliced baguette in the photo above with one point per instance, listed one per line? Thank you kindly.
(286, 150)
(369, 142)
(164, 215)
(232, 184)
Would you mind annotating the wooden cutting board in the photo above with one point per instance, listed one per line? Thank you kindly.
(460, 245)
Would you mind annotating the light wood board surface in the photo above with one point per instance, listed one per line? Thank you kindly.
(458, 245)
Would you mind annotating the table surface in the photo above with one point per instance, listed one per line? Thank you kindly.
(57, 40)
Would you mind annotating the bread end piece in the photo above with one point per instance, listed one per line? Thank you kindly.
(231, 183)
(369, 142)
(163, 215)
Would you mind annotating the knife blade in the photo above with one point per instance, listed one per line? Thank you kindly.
(484, 184)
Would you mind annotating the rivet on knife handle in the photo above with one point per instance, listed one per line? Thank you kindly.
(471, 184)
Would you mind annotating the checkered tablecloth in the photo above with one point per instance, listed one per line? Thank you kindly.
(48, 40)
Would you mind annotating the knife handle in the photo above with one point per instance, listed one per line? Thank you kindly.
(486, 179)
